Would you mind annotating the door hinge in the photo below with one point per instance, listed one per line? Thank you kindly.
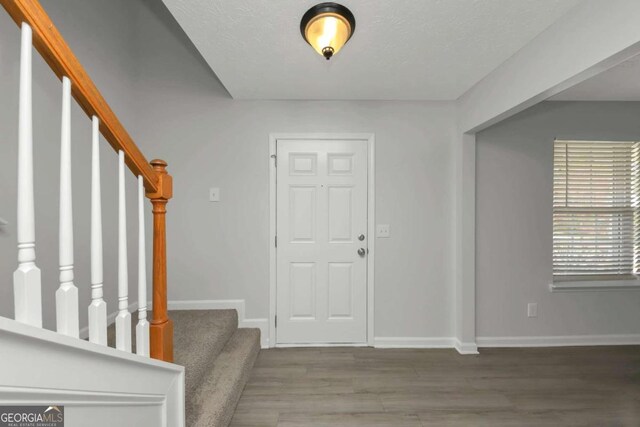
(275, 160)
(276, 241)
(276, 320)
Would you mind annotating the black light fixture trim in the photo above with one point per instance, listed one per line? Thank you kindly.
(327, 7)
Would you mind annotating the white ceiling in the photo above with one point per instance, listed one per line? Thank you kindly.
(401, 49)
(620, 83)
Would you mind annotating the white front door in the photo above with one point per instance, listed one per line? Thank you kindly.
(321, 241)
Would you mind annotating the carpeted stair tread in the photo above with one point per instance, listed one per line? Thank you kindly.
(217, 356)
(213, 402)
(199, 336)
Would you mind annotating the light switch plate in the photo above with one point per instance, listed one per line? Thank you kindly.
(532, 309)
(214, 194)
(383, 230)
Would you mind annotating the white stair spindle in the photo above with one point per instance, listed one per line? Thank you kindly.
(67, 294)
(26, 279)
(98, 306)
(142, 328)
(123, 319)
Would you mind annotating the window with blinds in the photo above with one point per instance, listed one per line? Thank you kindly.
(595, 210)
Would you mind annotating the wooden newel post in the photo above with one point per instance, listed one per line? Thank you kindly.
(161, 329)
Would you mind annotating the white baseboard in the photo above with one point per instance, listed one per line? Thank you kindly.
(413, 342)
(219, 304)
(233, 304)
(111, 317)
(324, 345)
(465, 347)
(559, 341)
(426, 342)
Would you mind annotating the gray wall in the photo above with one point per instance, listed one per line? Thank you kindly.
(176, 109)
(515, 230)
(101, 35)
(221, 250)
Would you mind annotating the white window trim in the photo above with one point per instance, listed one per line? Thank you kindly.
(595, 285)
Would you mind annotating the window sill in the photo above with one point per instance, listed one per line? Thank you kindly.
(595, 285)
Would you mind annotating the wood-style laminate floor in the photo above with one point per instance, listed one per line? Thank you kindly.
(577, 386)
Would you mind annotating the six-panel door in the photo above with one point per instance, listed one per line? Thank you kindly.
(322, 242)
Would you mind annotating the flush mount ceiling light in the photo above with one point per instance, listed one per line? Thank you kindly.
(327, 27)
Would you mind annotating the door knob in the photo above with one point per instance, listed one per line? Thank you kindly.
(361, 237)
(361, 252)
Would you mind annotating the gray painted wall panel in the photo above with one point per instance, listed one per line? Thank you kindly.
(515, 229)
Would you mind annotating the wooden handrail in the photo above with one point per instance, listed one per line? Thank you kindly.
(57, 53)
(157, 182)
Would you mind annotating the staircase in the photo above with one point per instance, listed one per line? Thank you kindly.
(217, 357)
(95, 382)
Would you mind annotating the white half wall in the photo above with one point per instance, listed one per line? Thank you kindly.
(515, 225)
(108, 386)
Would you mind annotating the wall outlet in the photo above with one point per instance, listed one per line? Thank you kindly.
(383, 230)
(214, 194)
(532, 309)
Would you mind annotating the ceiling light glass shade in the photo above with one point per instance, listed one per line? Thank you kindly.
(327, 27)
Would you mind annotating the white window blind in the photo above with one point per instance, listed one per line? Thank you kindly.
(595, 209)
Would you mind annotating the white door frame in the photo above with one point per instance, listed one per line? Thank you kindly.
(371, 185)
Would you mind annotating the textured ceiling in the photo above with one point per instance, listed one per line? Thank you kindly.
(401, 49)
(620, 83)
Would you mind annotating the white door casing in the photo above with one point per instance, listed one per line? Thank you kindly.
(322, 206)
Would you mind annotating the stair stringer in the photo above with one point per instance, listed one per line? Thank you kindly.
(97, 385)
